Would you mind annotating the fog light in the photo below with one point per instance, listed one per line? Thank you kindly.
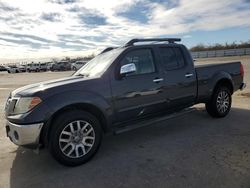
(16, 135)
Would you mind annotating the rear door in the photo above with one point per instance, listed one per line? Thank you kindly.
(179, 77)
(140, 93)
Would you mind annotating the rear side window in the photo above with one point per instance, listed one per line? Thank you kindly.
(172, 58)
(143, 60)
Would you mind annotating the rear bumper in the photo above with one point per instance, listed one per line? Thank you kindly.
(24, 135)
(242, 86)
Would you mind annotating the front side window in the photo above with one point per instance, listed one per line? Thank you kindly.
(143, 60)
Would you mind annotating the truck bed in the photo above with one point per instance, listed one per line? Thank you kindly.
(209, 72)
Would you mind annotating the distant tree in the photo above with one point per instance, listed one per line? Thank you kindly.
(66, 59)
(217, 46)
(54, 60)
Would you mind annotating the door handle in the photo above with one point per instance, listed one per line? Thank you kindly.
(189, 75)
(157, 80)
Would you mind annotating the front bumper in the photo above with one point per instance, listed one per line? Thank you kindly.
(24, 135)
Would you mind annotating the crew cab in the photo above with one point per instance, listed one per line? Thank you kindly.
(142, 82)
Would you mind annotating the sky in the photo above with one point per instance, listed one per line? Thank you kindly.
(42, 29)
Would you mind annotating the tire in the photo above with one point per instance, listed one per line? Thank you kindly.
(74, 148)
(74, 69)
(220, 103)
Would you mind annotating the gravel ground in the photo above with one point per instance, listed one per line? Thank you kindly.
(194, 150)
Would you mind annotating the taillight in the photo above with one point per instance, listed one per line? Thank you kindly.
(241, 70)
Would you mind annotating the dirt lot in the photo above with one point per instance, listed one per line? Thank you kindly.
(194, 150)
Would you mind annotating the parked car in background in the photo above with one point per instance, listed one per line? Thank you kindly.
(13, 69)
(33, 67)
(43, 66)
(22, 68)
(61, 66)
(49, 66)
(77, 65)
(28, 67)
(3, 68)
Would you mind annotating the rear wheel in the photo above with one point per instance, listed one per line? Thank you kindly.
(220, 103)
(75, 138)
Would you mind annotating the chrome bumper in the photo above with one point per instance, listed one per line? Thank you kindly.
(24, 134)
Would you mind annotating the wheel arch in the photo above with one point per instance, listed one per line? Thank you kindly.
(90, 108)
(222, 79)
(224, 82)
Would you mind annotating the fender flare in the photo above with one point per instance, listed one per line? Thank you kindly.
(218, 77)
(60, 102)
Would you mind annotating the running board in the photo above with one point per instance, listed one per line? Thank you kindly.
(153, 120)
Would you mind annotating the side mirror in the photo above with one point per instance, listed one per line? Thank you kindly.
(128, 68)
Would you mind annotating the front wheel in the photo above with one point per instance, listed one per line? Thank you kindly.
(75, 138)
(220, 103)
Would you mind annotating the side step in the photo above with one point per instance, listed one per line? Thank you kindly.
(151, 121)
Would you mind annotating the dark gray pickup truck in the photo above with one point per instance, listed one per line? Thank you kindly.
(145, 81)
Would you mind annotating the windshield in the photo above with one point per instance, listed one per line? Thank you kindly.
(98, 65)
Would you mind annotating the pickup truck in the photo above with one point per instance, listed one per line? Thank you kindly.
(137, 84)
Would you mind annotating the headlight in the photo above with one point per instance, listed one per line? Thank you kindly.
(25, 104)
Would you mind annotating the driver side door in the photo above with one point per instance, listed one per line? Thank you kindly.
(140, 93)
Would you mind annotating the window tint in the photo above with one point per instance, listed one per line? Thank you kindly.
(142, 59)
(172, 58)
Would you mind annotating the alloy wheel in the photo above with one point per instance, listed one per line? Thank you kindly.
(222, 102)
(76, 139)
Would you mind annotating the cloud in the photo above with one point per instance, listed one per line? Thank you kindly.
(26, 41)
(62, 1)
(22, 42)
(88, 17)
(137, 12)
(6, 7)
(70, 27)
(92, 19)
(52, 17)
(26, 36)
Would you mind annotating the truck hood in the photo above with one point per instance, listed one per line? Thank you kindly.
(52, 85)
